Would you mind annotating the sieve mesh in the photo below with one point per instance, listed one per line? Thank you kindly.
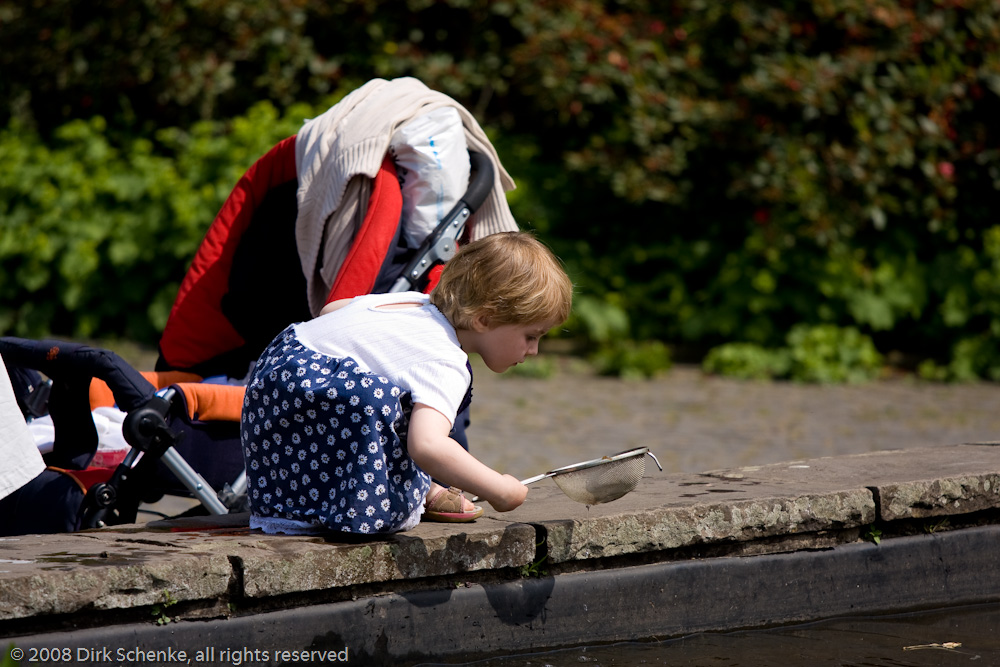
(601, 480)
(602, 483)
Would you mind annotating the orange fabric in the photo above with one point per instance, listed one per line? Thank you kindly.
(212, 402)
(85, 478)
(101, 396)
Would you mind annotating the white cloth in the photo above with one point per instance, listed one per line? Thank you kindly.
(111, 444)
(415, 348)
(20, 461)
(351, 140)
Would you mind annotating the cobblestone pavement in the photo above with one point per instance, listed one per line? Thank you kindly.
(695, 423)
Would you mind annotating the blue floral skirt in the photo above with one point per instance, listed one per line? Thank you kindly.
(322, 443)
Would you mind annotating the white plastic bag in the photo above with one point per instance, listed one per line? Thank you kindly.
(111, 444)
(432, 160)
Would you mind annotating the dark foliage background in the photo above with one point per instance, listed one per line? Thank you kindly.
(712, 173)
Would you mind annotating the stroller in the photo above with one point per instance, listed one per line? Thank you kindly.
(184, 431)
(184, 438)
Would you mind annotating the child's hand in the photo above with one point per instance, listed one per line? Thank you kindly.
(511, 495)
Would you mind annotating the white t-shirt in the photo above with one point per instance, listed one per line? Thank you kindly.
(416, 348)
(21, 460)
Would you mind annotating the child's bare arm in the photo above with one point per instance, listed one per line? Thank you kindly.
(446, 460)
(334, 305)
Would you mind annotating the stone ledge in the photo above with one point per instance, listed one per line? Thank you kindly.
(651, 602)
(219, 559)
(206, 559)
(676, 527)
(82, 572)
(276, 565)
(670, 511)
(939, 497)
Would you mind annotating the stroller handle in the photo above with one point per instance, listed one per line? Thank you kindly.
(481, 183)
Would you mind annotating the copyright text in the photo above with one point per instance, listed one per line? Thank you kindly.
(206, 655)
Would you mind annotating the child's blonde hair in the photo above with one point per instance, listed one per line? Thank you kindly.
(509, 277)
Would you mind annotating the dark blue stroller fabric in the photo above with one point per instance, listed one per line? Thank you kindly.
(71, 367)
(50, 503)
(70, 495)
(55, 500)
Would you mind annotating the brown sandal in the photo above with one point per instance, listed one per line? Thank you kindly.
(446, 507)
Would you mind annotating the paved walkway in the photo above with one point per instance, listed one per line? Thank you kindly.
(696, 423)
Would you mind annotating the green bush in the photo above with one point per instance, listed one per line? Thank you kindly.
(631, 359)
(971, 359)
(604, 329)
(538, 368)
(825, 353)
(598, 322)
(95, 238)
(717, 172)
(747, 361)
(147, 64)
(819, 353)
(77, 217)
(742, 168)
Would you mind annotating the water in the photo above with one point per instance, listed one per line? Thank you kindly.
(960, 636)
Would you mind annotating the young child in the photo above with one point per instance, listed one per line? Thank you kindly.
(347, 417)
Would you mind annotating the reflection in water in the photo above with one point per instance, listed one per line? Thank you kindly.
(911, 640)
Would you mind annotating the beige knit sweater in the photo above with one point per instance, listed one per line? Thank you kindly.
(339, 153)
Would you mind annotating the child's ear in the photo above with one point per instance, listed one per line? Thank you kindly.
(481, 322)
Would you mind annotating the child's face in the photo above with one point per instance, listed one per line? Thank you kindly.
(507, 345)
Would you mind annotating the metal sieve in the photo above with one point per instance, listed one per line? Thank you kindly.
(600, 480)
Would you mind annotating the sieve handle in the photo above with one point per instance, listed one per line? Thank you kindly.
(536, 478)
